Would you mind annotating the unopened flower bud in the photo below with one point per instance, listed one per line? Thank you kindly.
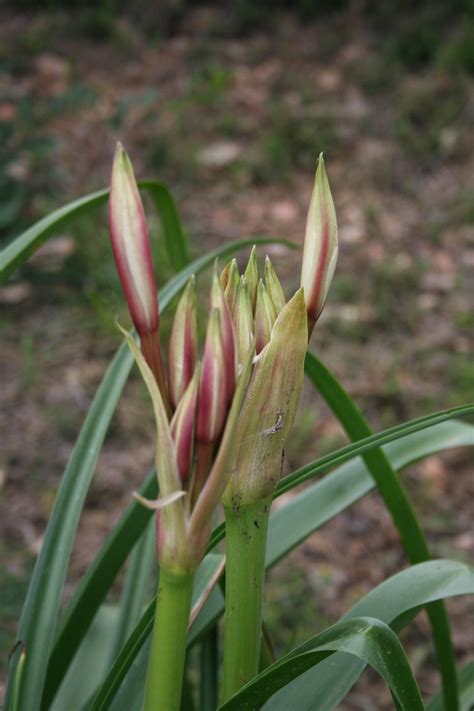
(230, 280)
(224, 278)
(132, 252)
(274, 288)
(182, 428)
(243, 321)
(265, 316)
(320, 246)
(131, 246)
(219, 302)
(183, 344)
(212, 398)
(251, 275)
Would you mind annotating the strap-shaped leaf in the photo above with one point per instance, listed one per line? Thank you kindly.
(308, 471)
(466, 691)
(398, 504)
(313, 507)
(23, 246)
(364, 637)
(135, 592)
(44, 594)
(173, 233)
(325, 683)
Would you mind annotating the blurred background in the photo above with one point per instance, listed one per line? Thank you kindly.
(230, 104)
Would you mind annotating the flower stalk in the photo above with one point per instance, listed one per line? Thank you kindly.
(168, 646)
(246, 538)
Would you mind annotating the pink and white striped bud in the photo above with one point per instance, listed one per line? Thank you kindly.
(274, 288)
(219, 302)
(320, 246)
(230, 280)
(251, 275)
(183, 344)
(243, 321)
(132, 252)
(212, 398)
(131, 246)
(183, 426)
(265, 315)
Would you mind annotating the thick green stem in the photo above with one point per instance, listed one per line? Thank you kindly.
(246, 537)
(168, 647)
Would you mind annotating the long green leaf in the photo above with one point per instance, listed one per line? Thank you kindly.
(327, 682)
(466, 691)
(209, 667)
(23, 246)
(310, 509)
(175, 239)
(42, 604)
(308, 471)
(398, 504)
(44, 593)
(90, 663)
(365, 638)
(135, 591)
(93, 588)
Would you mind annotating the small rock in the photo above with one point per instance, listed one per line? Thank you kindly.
(52, 255)
(15, 293)
(219, 154)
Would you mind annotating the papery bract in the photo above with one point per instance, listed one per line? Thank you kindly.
(269, 408)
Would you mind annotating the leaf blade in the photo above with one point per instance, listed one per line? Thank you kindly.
(405, 591)
(399, 506)
(364, 637)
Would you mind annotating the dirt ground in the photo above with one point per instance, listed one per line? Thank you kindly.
(233, 123)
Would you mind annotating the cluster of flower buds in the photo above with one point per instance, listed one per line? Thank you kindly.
(222, 420)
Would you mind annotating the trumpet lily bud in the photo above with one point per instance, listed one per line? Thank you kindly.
(183, 344)
(212, 398)
(131, 246)
(320, 246)
(269, 408)
(219, 302)
(265, 316)
(182, 428)
(274, 288)
(251, 275)
(230, 280)
(243, 320)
